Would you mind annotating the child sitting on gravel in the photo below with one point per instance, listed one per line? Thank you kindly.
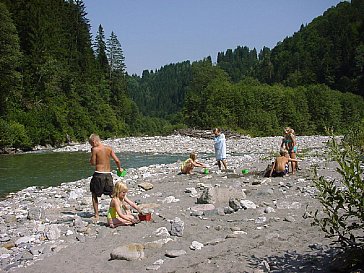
(188, 165)
(280, 165)
(119, 213)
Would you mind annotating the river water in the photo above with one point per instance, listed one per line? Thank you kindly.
(51, 169)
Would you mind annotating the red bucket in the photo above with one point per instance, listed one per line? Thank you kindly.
(145, 217)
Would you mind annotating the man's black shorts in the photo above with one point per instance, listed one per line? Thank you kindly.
(101, 183)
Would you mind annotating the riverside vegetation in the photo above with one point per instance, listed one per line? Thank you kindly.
(61, 87)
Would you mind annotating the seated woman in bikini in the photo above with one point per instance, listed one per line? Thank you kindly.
(188, 165)
(119, 213)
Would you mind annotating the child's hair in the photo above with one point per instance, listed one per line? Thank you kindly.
(283, 152)
(93, 137)
(216, 130)
(193, 156)
(289, 130)
(118, 188)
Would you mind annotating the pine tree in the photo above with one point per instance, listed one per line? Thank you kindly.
(100, 50)
(115, 56)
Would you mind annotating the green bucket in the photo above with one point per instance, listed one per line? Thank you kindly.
(245, 171)
(121, 174)
(206, 171)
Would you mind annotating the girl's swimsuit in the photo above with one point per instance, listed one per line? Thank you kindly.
(184, 163)
(112, 213)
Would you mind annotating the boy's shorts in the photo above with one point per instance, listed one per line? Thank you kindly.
(101, 183)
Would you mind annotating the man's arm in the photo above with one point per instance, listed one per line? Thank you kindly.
(117, 161)
(93, 157)
(273, 167)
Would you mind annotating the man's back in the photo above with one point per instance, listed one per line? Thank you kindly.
(101, 158)
(281, 162)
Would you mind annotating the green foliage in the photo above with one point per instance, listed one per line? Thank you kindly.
(343, 201)
(9, 58)
(14, 135)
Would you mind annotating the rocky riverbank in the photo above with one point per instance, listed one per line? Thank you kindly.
(220, 222)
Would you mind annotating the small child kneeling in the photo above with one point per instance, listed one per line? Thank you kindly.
(119, 213)
(188, 165)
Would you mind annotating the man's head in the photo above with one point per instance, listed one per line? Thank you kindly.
(283, 152)
(94, 139)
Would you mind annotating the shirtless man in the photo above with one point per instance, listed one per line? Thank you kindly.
(280, 165)
(101, 182)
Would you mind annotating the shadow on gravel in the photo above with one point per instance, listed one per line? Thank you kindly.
(331, 260)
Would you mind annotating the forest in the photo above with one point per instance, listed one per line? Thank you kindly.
(59, 83)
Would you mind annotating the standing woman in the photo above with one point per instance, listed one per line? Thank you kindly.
(289, 143)
(220, 148)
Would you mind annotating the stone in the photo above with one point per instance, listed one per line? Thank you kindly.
(146, 186)
(157, 244)
(153, 267)
(196, 245)
(128, 252)
(162, 231)
(175, 253)
(177, 227)
(35, 213)
(269, 210)
(234, 204)
(53, 232)
(247, 204)
(289, 219)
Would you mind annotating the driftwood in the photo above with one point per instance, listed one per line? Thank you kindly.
(206, 133)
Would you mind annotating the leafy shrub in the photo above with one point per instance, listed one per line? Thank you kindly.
(343, 200)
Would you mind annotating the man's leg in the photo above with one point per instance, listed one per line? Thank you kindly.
(95, 204)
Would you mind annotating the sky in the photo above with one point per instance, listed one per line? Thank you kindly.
(155, 33)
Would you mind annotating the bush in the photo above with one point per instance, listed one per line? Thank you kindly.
(343, 200)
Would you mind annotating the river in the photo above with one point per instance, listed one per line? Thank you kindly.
(51, 169)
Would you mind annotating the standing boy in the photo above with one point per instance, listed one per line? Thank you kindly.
(101, 182)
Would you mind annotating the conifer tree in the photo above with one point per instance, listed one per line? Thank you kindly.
(100, 50)
(115, 56)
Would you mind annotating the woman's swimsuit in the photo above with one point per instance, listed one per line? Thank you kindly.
(290, 149)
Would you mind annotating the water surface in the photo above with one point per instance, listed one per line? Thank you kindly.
(51, 169)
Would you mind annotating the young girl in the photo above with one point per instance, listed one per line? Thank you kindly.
(119, 213)
(188, 165)
(290, 144)
(220, 148)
